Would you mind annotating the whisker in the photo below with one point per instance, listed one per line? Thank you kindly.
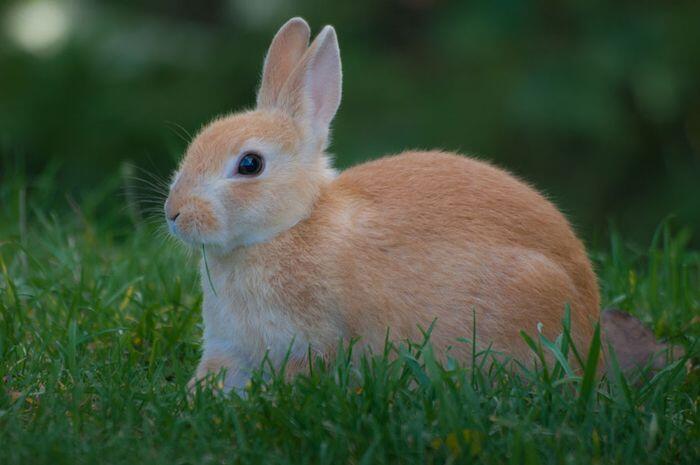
(153, 176)
(179, 131)
(146, 183)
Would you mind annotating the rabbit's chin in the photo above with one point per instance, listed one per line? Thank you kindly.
(217, 245)
(195, 239)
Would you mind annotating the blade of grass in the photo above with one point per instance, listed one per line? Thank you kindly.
(590, 371)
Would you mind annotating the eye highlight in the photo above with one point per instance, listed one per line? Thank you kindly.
(250, 164)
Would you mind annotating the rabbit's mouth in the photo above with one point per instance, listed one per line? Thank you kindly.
(176, 230)
(192, 237)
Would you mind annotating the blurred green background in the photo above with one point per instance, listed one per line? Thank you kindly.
(596, 103)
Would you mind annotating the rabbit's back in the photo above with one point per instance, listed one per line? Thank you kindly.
(444, 197)
(426, 235)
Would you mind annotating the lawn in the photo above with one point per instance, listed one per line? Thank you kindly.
(99, 330)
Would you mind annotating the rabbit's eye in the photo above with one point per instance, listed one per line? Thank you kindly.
(251, 164)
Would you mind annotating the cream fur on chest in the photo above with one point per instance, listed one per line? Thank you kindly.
(244, 319)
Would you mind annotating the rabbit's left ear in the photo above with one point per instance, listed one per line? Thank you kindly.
(286, 50)
(312, 92)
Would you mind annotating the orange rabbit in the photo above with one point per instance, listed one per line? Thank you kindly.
(298, 252)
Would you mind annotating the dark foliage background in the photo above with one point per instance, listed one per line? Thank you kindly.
(595, 102)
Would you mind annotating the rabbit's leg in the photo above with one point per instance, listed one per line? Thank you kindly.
(233, 368)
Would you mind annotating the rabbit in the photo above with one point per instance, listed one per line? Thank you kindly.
(299, 256)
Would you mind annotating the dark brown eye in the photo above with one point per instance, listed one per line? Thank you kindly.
(251, 164)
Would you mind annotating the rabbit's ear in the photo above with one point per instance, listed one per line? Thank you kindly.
(286, 50)
(312, 92)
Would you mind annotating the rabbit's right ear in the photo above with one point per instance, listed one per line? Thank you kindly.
(312, 92)
(286, 50)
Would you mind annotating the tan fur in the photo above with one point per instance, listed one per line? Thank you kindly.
(300, 255)
(287, 49)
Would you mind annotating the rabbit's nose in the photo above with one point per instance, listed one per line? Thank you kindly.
(172, 209)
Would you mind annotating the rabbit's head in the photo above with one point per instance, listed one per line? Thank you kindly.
(251, 175)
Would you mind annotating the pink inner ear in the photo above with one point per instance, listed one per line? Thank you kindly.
(324, 80)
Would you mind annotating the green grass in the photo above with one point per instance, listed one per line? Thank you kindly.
(99, 330)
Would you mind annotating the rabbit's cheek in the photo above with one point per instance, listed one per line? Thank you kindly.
(246, 194)
(242, 202)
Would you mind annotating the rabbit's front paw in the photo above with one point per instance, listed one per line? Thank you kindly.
(222, 374)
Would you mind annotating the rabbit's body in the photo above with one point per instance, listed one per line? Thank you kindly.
(296, 253)
(395, 244)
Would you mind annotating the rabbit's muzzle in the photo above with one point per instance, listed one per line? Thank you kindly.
(191, 219)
